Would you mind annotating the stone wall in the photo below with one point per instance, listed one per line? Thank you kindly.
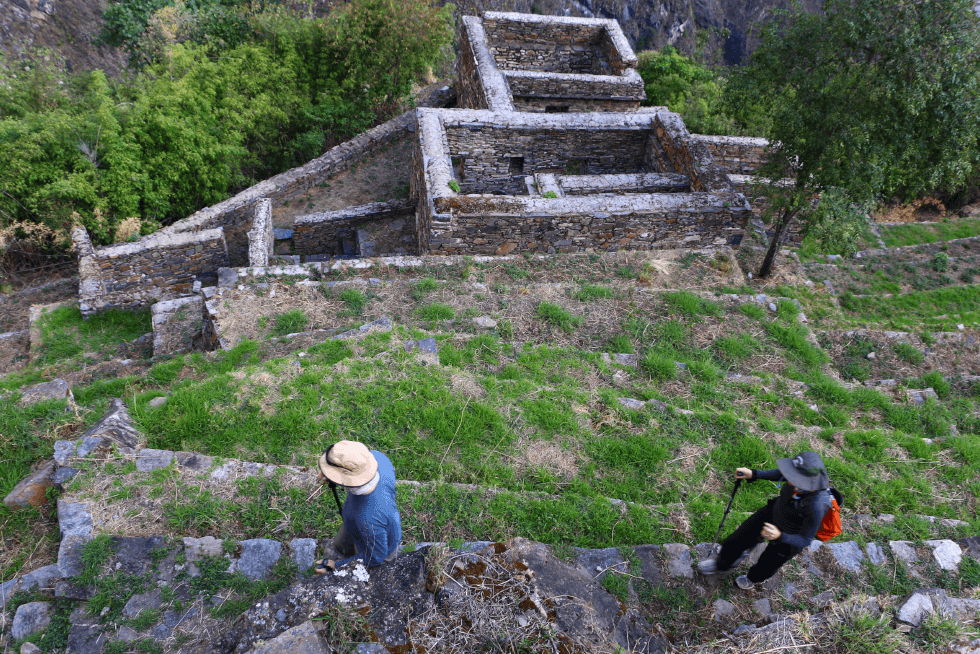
(557, 44)
(324, 233)
(740, 155)
(234, 214)
(517, 62)
(494, 225)
(484, 142)
(261, 240)
(673, 149)
(620, 184)
(158, 267)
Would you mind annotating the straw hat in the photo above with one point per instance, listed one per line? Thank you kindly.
(348, 463)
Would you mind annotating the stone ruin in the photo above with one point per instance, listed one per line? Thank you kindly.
(548, 152)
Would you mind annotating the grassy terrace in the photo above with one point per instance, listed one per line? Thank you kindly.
(915, 233)
(526, 414)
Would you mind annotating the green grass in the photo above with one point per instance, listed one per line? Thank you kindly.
(690, 305)
(435, 311)
(291, 322)
(917, 233)
(354, 300)
(64, 334)
(910, 311)
(908, 353)
(590, 292)
(560, 318)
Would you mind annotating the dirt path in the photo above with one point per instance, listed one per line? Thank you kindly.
(381, 177)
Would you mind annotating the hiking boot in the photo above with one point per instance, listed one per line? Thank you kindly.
(740, 559)
(710, 566)
(744, 583)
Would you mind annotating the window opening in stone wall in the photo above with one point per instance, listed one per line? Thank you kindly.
(555, 109)
(517, 165)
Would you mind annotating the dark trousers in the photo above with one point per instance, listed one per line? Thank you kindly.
(748, 536)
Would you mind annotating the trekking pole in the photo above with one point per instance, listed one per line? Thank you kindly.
(340, 508)
(738, 482)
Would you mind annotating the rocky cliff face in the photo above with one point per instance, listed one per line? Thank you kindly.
(722, 31)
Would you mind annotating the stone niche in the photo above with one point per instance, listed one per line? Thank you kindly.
(546, 64)
(567, 183)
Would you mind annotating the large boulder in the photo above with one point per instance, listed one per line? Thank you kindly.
(32, 489)
(30, 619)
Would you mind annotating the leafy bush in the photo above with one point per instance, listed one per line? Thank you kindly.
(940, 262)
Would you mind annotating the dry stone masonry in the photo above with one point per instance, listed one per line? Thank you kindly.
(553, 64)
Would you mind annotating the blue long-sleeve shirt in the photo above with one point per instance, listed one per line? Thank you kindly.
(372, 521)
(798, 514)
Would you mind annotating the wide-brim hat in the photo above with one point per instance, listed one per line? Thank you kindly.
(348, 463)
(806, 471)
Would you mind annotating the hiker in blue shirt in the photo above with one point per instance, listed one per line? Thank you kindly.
(789, 521)
(372, 528)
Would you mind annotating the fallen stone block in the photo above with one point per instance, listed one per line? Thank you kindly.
(30, 619)
(116, 426)
(64, 451)
(259, 555)
(70, 554)
(30, 648)
(56, 389)
(426, 349)
(194, 461)
(485, 322)
(73, 518)
(41, 578)
(599, 563)
(91, 444)
(723, 610)
(847, 554)
(630, 403)
(762, 607)
(920, 605)
(142, 602)
(380, 325)
(32, 489)
(946, 553)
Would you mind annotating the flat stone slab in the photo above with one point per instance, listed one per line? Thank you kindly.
(142, 602)
(70, 554)
(598, 563)
(380, 325)
(64, 451)
(90, 444)
(73, 518)
(32, 489)
(63, 475)
(198, 548)
(630, 403)
(679, 560)
(847, 554)
(723, 610)
(156, 402)
(303, 551)
(875, 553)
(149, 460)
(258, 557)
(30, 619)
(425, 346)
(903, 550)
(947, 553)
(762, 607)
(919, 605)
(41, 578)
(485, 322)
(303, 639)
(134, 554)
(56, 389)
(194, 461)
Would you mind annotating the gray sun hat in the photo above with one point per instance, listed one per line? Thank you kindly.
(806, 471)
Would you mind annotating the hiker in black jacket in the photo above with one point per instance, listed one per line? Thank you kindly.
(788, 521)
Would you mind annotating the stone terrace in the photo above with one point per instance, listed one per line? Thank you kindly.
(532, 63)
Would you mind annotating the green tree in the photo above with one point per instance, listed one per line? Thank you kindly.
(877, 98)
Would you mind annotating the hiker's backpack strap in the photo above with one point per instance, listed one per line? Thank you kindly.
(837, 495)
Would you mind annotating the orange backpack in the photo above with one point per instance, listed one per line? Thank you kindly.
(831, 526)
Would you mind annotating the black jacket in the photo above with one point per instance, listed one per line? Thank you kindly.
(797, 514)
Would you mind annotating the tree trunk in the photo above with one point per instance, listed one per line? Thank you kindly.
(769, 262)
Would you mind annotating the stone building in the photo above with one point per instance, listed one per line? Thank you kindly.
(552, 64)
(549, 151)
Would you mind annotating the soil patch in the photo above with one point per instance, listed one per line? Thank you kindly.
(899, 358)
(15, 308)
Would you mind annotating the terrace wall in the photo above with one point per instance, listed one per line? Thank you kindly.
(740, 155)
(159, 267)
(325, 232)
(235, 213)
